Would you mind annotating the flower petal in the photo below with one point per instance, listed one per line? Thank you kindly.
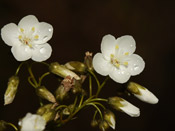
(21, 52)
(126, 44)
(28, 22)
(147, 96)
(41, 52)
(135, 64)
(108, 46)
(101, 66)
(130, 109)
(9, 34)
(44, 31)
(120, 75)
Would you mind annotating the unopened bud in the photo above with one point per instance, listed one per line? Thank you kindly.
(47, 112)
(76, 66)
(68, 110)
(62, 71)
(11, 90)
(77, 87)
(142, 93)
(61, 93)
(110, 118)
(103, 125)
(43, 109)
(94, 123)
(45, 94)
(88, 60)
(122, 105)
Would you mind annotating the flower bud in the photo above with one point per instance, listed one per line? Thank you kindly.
(47, 112)
(76, 66)
(49, 115)
(103, 125)
(142, 93)
(110, 118)
(43, 109)
(11, 90)
(68, 110)
(88, 60)
(45, 94)
(124, 106)
(62, 71)
(94, 123)
(77, 87)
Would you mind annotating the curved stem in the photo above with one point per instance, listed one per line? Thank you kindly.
(19, 67)
(92, 73)
(99, 111)
(12, 125)
(95, 114)
(32, 76)
(42, 77)
(31, 83)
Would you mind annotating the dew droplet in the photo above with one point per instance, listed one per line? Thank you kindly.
(50, 29)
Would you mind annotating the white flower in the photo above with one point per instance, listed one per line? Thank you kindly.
(28, 39)
(142, 93)
(32, 122)
(117, 59)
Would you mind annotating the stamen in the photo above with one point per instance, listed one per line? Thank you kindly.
(33, 29)
(36, 36)
(125, 63)
(20, 37)
(116, 47)
(117, 65)
(112, 55)
(127, 53)
(22, 30)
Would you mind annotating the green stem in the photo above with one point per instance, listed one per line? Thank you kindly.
(95, 114)
(101, 86)
(31, 83)
(99, 111)
(81, 101)
(19, 67)
(90, 86)
(12, 125)
(92, 73)
(32, 76)
(42, 77)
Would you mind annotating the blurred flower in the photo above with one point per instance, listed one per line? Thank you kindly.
(117, 59)
(11, 90)
(142, 93)
(122, 105)
(28, 39)
(103, 125)
(32, 122)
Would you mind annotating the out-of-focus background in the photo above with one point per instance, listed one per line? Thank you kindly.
(79, 26)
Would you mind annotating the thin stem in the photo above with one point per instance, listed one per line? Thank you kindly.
(81, 101)
(99, 111)
(30, 81)
(41, 78)
(101, 86)
(97, 103)
(90, 86)
(92, 73)
(95, 114)
(19, 67)
(12, 125)
(32, 76)
(61, 106)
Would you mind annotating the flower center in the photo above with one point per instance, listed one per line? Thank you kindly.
(27, 39)
(118, 60)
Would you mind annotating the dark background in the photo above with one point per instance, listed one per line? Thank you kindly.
(79, 26)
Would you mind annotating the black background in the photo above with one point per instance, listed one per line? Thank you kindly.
(79, 26)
